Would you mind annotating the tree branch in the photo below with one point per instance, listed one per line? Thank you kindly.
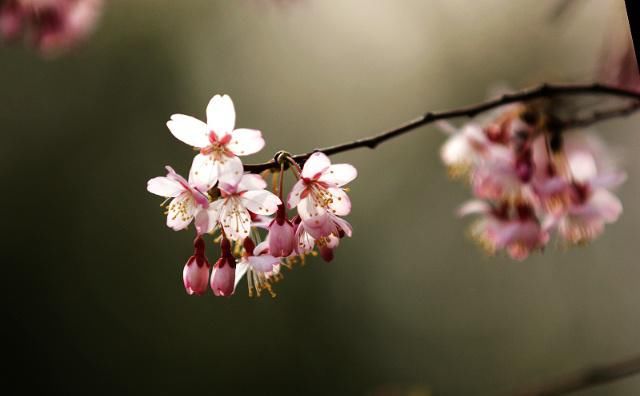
(541, 91)
(588, 378)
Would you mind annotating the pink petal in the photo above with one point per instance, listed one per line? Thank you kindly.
(221, 115)
(251, 181)
(245, 141)
(177, 218)
(294, 194)
(339, 174)
(315, 165)
(164, 187)
(190, 130)
(340, 204)
(260, 201)
(263, 263)
(235, 220)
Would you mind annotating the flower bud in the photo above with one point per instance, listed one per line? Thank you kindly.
(281, 236)
(195, 274)
(224, 271)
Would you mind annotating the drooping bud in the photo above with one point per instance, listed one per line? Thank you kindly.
(223, 274)
(195, 274)
(281, 235)
(11, 20)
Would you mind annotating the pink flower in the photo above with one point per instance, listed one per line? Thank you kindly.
(319, 189)
(188, 200)
(232, 209)
(218, 141)
(515, 230)
(323, 232)
(259, 267)
(11, 20)
(281, 234)
(223, 274)
(196, 272)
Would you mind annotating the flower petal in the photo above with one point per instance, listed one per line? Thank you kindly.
(180, 212)
(204, 172)
(221, 115)
(340, 203)
(294, 194)
(263, 263)
(241, 270)
(230, 170)
(235, 219)
(308, 209)
(315, 165)
(260, 201)
(189, 130)
(339, 174)
(250, 181)
(164, 187)
(245, 141)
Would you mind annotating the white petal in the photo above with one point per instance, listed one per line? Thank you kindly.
(260, 201)
(609, 180)
(221, 116)
(473, 207)
(245, 141)
(235, 219)
(164, 187)
(308, 209)
(343, 224)
(263, 263)
(202, 221)
(189, 130)
(204, 172)
(251, 182)
(315, 165)
(180, 212)
(230, 170)
(582, 165)
(262, 247)
(608, 205)
(340, 203)
(241, 270)
(339, 174)
(294, 194)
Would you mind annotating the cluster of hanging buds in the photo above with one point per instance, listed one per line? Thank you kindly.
(50, 26)
(530, 179)
(250, 223)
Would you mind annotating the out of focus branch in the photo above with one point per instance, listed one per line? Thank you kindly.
(602, 115)
(587, 378)
(541, 91)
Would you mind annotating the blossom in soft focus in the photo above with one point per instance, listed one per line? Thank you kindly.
(51, 26)
(529, 182)
(186, 199)
(219, 143)
(195, 274)
(248, 193)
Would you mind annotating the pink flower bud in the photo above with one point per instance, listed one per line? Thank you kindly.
(224, 271)
(196, 271)
(281, 236)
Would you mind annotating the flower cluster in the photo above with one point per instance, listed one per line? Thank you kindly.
(50, 26)
(236, 207)
(530, 179)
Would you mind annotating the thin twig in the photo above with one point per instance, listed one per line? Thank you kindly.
(602, 115)
(588, 378)
(541, 91)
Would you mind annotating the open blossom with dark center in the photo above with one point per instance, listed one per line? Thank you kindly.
(187, 199)
(51, 25)
(319, 189)
(219, 143)
(224, 271)
(232, 209)
(195, 274)
(258, 266)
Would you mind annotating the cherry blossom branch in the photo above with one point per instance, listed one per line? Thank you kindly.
(588, 378)
(541, 91)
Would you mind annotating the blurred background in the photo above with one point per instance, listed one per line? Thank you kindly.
(94, 299)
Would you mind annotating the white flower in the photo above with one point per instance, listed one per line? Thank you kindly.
(218, 141)
(319, 191)
(187, 200)
(232, 209)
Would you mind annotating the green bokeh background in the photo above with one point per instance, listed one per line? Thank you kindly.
(94, 296)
